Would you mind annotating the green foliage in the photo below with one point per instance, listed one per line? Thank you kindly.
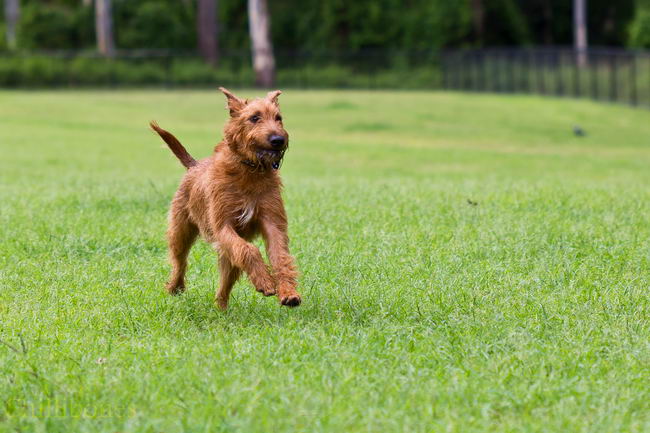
(46, 27)
(354, 26)
(334, 25)
(608, 21)
(335, 76)
(435, 24)
(507, 14)
(3, 37)
(195, 72)
(233, 25)
(31, 71)
(524, 309)
(52, 26)
(40, 71)
(640, 29)
(154, 24)
(90, 72)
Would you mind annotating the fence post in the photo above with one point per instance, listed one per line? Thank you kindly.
(500, 71)
(494, 76)
(454, 71)
(595, 66)
(528, 56)
(509, 75)
(460, 70)
(474, 71)
(483, 83)
(633, 89)
(443, 70)
(576, 74)
(613, 77)
(559, 73)
(168, 70)
(539, 57)
(477, 70)
(494, 85)
(516, 71)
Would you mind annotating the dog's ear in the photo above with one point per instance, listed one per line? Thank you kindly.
(273, 96)
(234, 103)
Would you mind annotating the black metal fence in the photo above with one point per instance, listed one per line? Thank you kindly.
(600, 74)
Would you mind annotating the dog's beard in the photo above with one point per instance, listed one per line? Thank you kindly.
(270, 158)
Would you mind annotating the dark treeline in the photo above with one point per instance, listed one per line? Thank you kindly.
(336, 25)
(311, 43)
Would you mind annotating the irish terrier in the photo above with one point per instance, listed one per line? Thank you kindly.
(231, 197)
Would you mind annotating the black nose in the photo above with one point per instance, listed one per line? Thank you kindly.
(276, 140)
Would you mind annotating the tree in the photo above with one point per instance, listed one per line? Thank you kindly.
(206, 30)
(639, 36)
(478, 20)
(580, 30)
(12, 15)
(262, 49)
(104, 27)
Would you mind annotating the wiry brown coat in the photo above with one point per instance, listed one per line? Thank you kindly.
(231, 197)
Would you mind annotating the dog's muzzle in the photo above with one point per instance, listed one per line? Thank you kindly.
(269, 157)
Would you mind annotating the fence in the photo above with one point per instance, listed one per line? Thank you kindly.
(599, 74)
(364, 69)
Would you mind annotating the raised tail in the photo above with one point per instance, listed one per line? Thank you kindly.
(175, 145)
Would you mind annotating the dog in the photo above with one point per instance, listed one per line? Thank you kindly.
(232, 197)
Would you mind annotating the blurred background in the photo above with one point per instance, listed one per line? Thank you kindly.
(581, 48)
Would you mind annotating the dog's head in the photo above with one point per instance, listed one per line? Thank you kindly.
(255, 131)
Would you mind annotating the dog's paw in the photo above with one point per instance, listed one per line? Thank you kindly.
(291, 299)
(221, 303)
(270, 291)
(174, 289)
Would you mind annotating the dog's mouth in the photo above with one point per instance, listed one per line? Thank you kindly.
(270, 158)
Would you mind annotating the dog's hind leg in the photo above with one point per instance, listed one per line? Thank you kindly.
(180, 237)
(229, 276)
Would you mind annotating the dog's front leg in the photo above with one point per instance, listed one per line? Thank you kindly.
(247, 257)
(274, 230)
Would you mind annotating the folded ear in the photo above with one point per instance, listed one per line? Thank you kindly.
(234, 103)
(273, 96)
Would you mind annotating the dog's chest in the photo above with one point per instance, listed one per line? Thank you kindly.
(246, 213)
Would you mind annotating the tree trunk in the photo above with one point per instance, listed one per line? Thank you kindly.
(478, 19)
(580, 30)
(547, 12)
(206, 30)
(12, 15)
(104, 27)
(263, 59)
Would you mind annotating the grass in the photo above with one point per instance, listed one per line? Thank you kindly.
(423, 312)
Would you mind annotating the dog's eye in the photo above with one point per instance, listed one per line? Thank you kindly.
(255, 119)
(278, 118)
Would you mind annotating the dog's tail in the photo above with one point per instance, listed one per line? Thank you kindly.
(175, 145)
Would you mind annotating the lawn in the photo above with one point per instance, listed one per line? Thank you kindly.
(467, 264)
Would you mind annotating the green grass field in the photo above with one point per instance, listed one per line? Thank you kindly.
(528, 311)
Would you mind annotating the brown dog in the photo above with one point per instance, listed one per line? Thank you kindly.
(231, 197)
